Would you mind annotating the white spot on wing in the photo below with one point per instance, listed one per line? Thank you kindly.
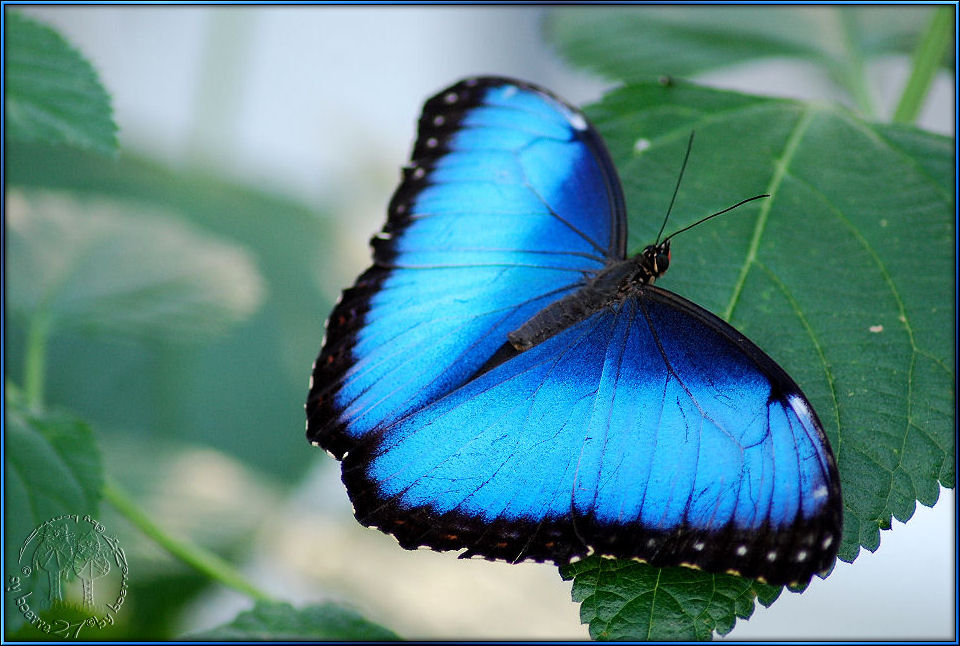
(771, 556)
(827, 542)
(820, 492)
(698, 546)
(577, 121)
(742, 550)
(802, 409)
(802, 555)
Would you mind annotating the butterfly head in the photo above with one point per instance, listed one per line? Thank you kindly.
(655, 259)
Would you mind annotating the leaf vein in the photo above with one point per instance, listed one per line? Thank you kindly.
(780, 171)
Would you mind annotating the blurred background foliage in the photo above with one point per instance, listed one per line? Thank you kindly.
(175, 310)
(241, 379)
(176, 304)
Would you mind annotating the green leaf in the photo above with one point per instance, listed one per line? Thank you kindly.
(282, 622)
(639, 43)
(824, 275)
(52, 92)
(53, 468)
(123, 268)
(626, 600)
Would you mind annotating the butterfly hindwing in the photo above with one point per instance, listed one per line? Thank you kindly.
(651, 430)
(510, 202)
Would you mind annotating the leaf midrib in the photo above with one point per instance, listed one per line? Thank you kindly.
(773, 186)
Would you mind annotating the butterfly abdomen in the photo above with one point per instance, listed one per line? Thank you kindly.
(607, 288)
(557, 317)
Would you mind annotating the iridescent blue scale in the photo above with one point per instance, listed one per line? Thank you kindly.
(616, 417)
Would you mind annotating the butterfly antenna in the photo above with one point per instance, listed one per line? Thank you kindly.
(677, 187)
(713, 215)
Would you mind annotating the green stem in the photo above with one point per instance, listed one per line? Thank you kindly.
(926, 62)
(38, 331)
(201, 560)
(855, 73)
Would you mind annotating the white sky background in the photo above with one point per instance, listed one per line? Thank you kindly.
(321, 103)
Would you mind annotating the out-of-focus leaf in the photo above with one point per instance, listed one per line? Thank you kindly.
(242, 392)
(638, 43)
(823, 275)
(158, 600)
(625, 600)
(92, 264)
(52, 93)
(53, 468)
(283, 622)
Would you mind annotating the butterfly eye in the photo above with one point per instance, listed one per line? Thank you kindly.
(661, 261)
(656, 258)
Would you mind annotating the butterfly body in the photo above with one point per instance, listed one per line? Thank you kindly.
(506, 382)
(607, 288)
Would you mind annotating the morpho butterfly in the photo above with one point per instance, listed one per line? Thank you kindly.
(506, 382)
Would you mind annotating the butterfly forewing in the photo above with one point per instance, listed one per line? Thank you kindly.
(509, 203)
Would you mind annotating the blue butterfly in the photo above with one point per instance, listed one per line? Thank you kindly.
(506, 382)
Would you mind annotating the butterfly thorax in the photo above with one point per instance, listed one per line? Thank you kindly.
(608, 288)
(621, 278)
